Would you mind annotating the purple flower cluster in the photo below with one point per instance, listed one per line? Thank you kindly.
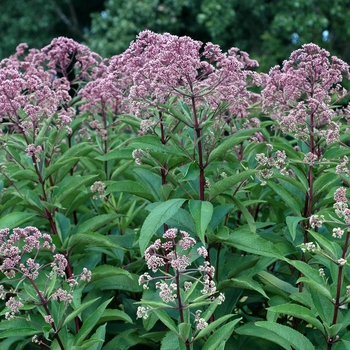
(157, 66)
(37, 85)
(300, 94)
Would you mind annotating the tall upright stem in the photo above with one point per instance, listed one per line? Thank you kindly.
(44, 304)
(199, 147)
(337, 302)
(181, 306)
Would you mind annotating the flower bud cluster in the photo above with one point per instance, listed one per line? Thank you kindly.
(266, 164)
(341, 205)
(19, 258)
(98, 187)
(176, 251)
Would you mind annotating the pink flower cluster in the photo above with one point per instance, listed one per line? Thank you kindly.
(157, 66)
(37, 84)
(300, 95)
(19, 252)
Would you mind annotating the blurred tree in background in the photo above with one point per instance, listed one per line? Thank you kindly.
(269, 30)
(37, 22)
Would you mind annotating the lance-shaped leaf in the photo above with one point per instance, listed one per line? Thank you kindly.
(156, 218)
(251, 330)
(129, 186)
(220, 336)
(300, 312)
(96, 223)
(290, 335)
(292, 223)
(170, 342)
(245, 212)
(15, 219)
(286, 196)
(201, 213)
(166, 320)
(229, 182)
(91, 238)
(244, 282)
(230, 142)
(90, 323)
(152, 143)
(251, 242)
(211, 327)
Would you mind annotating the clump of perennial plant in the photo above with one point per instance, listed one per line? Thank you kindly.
(36, 280)
(182, 283)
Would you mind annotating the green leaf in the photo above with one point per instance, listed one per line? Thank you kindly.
(170, 342)
(182, 220)
(220, 336)
(96, 340)
(156, 218)
(68, 191)
(230, 142)
(292, 223)
(90, 323)
(15, 219)
(117, 154)
(185, 330)
(286, 196)
(127, 281)
(244, 282)
(190, 172)
(251, 330)
(96, 222)
(59, 164)
(153, 304)
(306, 270)
(300, 312)
(271, 280)
(229, 182)
(91, 238)
(324, 306)
(89, 344)
(115, 315)
(63, 226)
(246, 214)
(323, 242)
(251, 242)
(166, 320)
(176, 114)
(132, 187)
(212, 326)
(71, 316)
(201, 213)
(290, 335)
(319, 288)
(325, 181)
(27, 174)
(154, 144)
(219, 213)
(149, 180)
(107, 271)
(19, 332)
